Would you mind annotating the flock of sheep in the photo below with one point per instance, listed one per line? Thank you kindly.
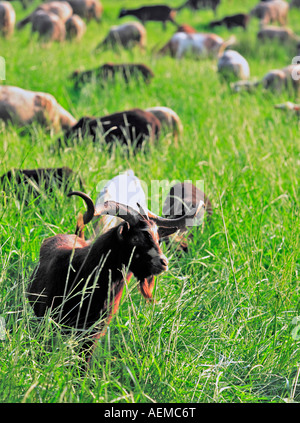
(86, 294)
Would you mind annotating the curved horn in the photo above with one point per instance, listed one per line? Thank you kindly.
(143, 212)
(113, 208)
(177, 222)
(89, 214)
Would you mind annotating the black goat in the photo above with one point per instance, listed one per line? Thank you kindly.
(130, 126)
(34, 179)
(81, 282)
(108, 71)
(159, 13)
(232, 21)
(203, 4)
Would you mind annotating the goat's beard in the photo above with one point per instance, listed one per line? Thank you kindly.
(146, 286)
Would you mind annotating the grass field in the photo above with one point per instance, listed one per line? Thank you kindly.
(224, 325)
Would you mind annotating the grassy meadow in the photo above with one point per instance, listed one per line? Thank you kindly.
(223, 327)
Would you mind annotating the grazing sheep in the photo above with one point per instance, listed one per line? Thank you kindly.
(132, 126)
(232, 21)
(203, 4)
(108, 71)
(127, 35)
(23, 107)
(159, 13)
(199, 45)
(182, 198)
(233, 64)
(271, 11)
(35, 179)
(62, 9)
(169, 120)
(87, 9)
(7, 19)
(48, 26)
(275, 80)
(282, 34)
(75, 27)
(294, 3)
(289, 106)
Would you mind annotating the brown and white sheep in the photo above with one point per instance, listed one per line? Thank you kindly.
(48, 26)
(232, 64)
(60, 8)
(198, 45)
(127, 35)
(271, 11)
(23, 107)
(75, 28)
(87, 9)
(170, 121)
(183, 197)
(7, 19)
(275, 80)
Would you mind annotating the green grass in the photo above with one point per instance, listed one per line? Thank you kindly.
(221, 327)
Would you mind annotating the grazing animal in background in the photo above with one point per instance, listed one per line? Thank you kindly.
(181, 198)
(109, 71)
(271, 11)
(232, 21)
(198, 45)
(62, 9)
(75, 28)
(41, 178)
(232, 64)
(282, 34)
(7, 19)
(127, 35)
(23, 107)
(81, 282)
(87, 9)
(48, 26)
(275, 80)
(169, 120)
(203, 4)
(124, 188)
(294, 3)
(158, 13)
(129, 127)
(289, 106)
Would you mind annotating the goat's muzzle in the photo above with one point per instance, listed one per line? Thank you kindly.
(159, 264)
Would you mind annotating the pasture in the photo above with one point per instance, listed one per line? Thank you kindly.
(223, 327)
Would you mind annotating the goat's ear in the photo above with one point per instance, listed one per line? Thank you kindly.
(122, 230)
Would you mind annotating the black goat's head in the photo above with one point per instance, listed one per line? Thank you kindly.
(123, 12)
(138, 236)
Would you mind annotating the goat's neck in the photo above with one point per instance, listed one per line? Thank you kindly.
(106, 252)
